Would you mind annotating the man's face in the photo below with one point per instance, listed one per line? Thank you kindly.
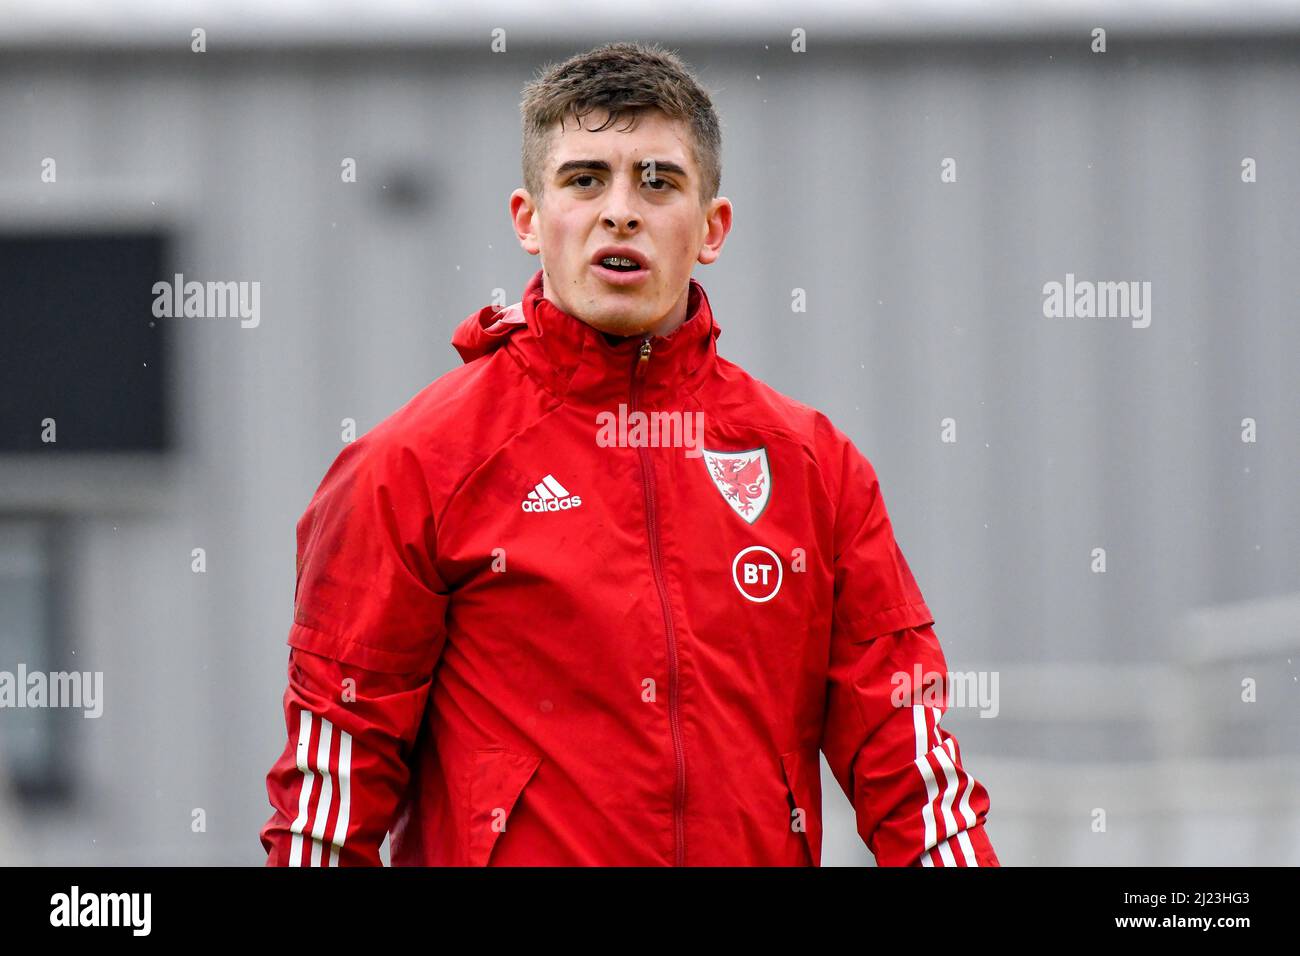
(601, 191)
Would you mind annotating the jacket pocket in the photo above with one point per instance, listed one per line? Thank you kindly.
(804, 784)
(497, 778)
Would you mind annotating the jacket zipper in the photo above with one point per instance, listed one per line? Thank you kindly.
(648, 487)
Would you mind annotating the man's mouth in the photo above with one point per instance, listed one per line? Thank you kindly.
(620, 259)
(621, 266)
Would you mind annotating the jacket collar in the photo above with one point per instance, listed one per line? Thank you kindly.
(583, 365)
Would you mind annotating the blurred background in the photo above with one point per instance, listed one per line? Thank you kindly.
(1146, 714)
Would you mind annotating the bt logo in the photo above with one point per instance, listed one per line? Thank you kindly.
(757, 573)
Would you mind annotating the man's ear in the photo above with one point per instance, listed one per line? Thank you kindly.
(717, 223)
(523, 213)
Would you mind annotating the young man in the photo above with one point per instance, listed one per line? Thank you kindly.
(598, 596)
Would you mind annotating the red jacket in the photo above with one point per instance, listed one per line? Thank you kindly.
(528, 629)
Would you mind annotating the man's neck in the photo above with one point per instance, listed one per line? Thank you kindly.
(675, 318)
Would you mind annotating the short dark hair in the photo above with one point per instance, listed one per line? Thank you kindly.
(622, 78)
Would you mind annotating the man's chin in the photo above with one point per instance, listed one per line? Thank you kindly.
(611, 315)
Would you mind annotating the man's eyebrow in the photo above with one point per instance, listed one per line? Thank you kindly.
(660, 165)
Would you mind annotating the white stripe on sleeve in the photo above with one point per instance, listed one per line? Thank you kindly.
(326, 791)
(308, 783)
(345, 795)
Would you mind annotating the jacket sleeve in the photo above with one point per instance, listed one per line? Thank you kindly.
(367, 631)
(914, 801)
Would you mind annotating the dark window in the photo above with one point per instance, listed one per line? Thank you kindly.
(36, 758)
(81, 344)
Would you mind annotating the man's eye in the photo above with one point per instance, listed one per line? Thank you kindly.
(662, 182)
(583, 176)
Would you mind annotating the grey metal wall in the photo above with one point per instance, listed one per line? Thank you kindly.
(924, 303)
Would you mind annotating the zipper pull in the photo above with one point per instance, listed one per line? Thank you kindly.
(644, 360)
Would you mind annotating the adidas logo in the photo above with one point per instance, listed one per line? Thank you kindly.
(550, 495)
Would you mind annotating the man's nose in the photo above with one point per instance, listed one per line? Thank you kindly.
(621, 205)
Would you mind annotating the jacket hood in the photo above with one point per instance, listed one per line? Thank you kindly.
(486, 330)
(567, 355)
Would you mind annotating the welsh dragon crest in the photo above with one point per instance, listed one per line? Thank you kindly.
(743, 478)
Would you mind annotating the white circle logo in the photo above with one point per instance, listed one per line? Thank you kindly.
(757, 573)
